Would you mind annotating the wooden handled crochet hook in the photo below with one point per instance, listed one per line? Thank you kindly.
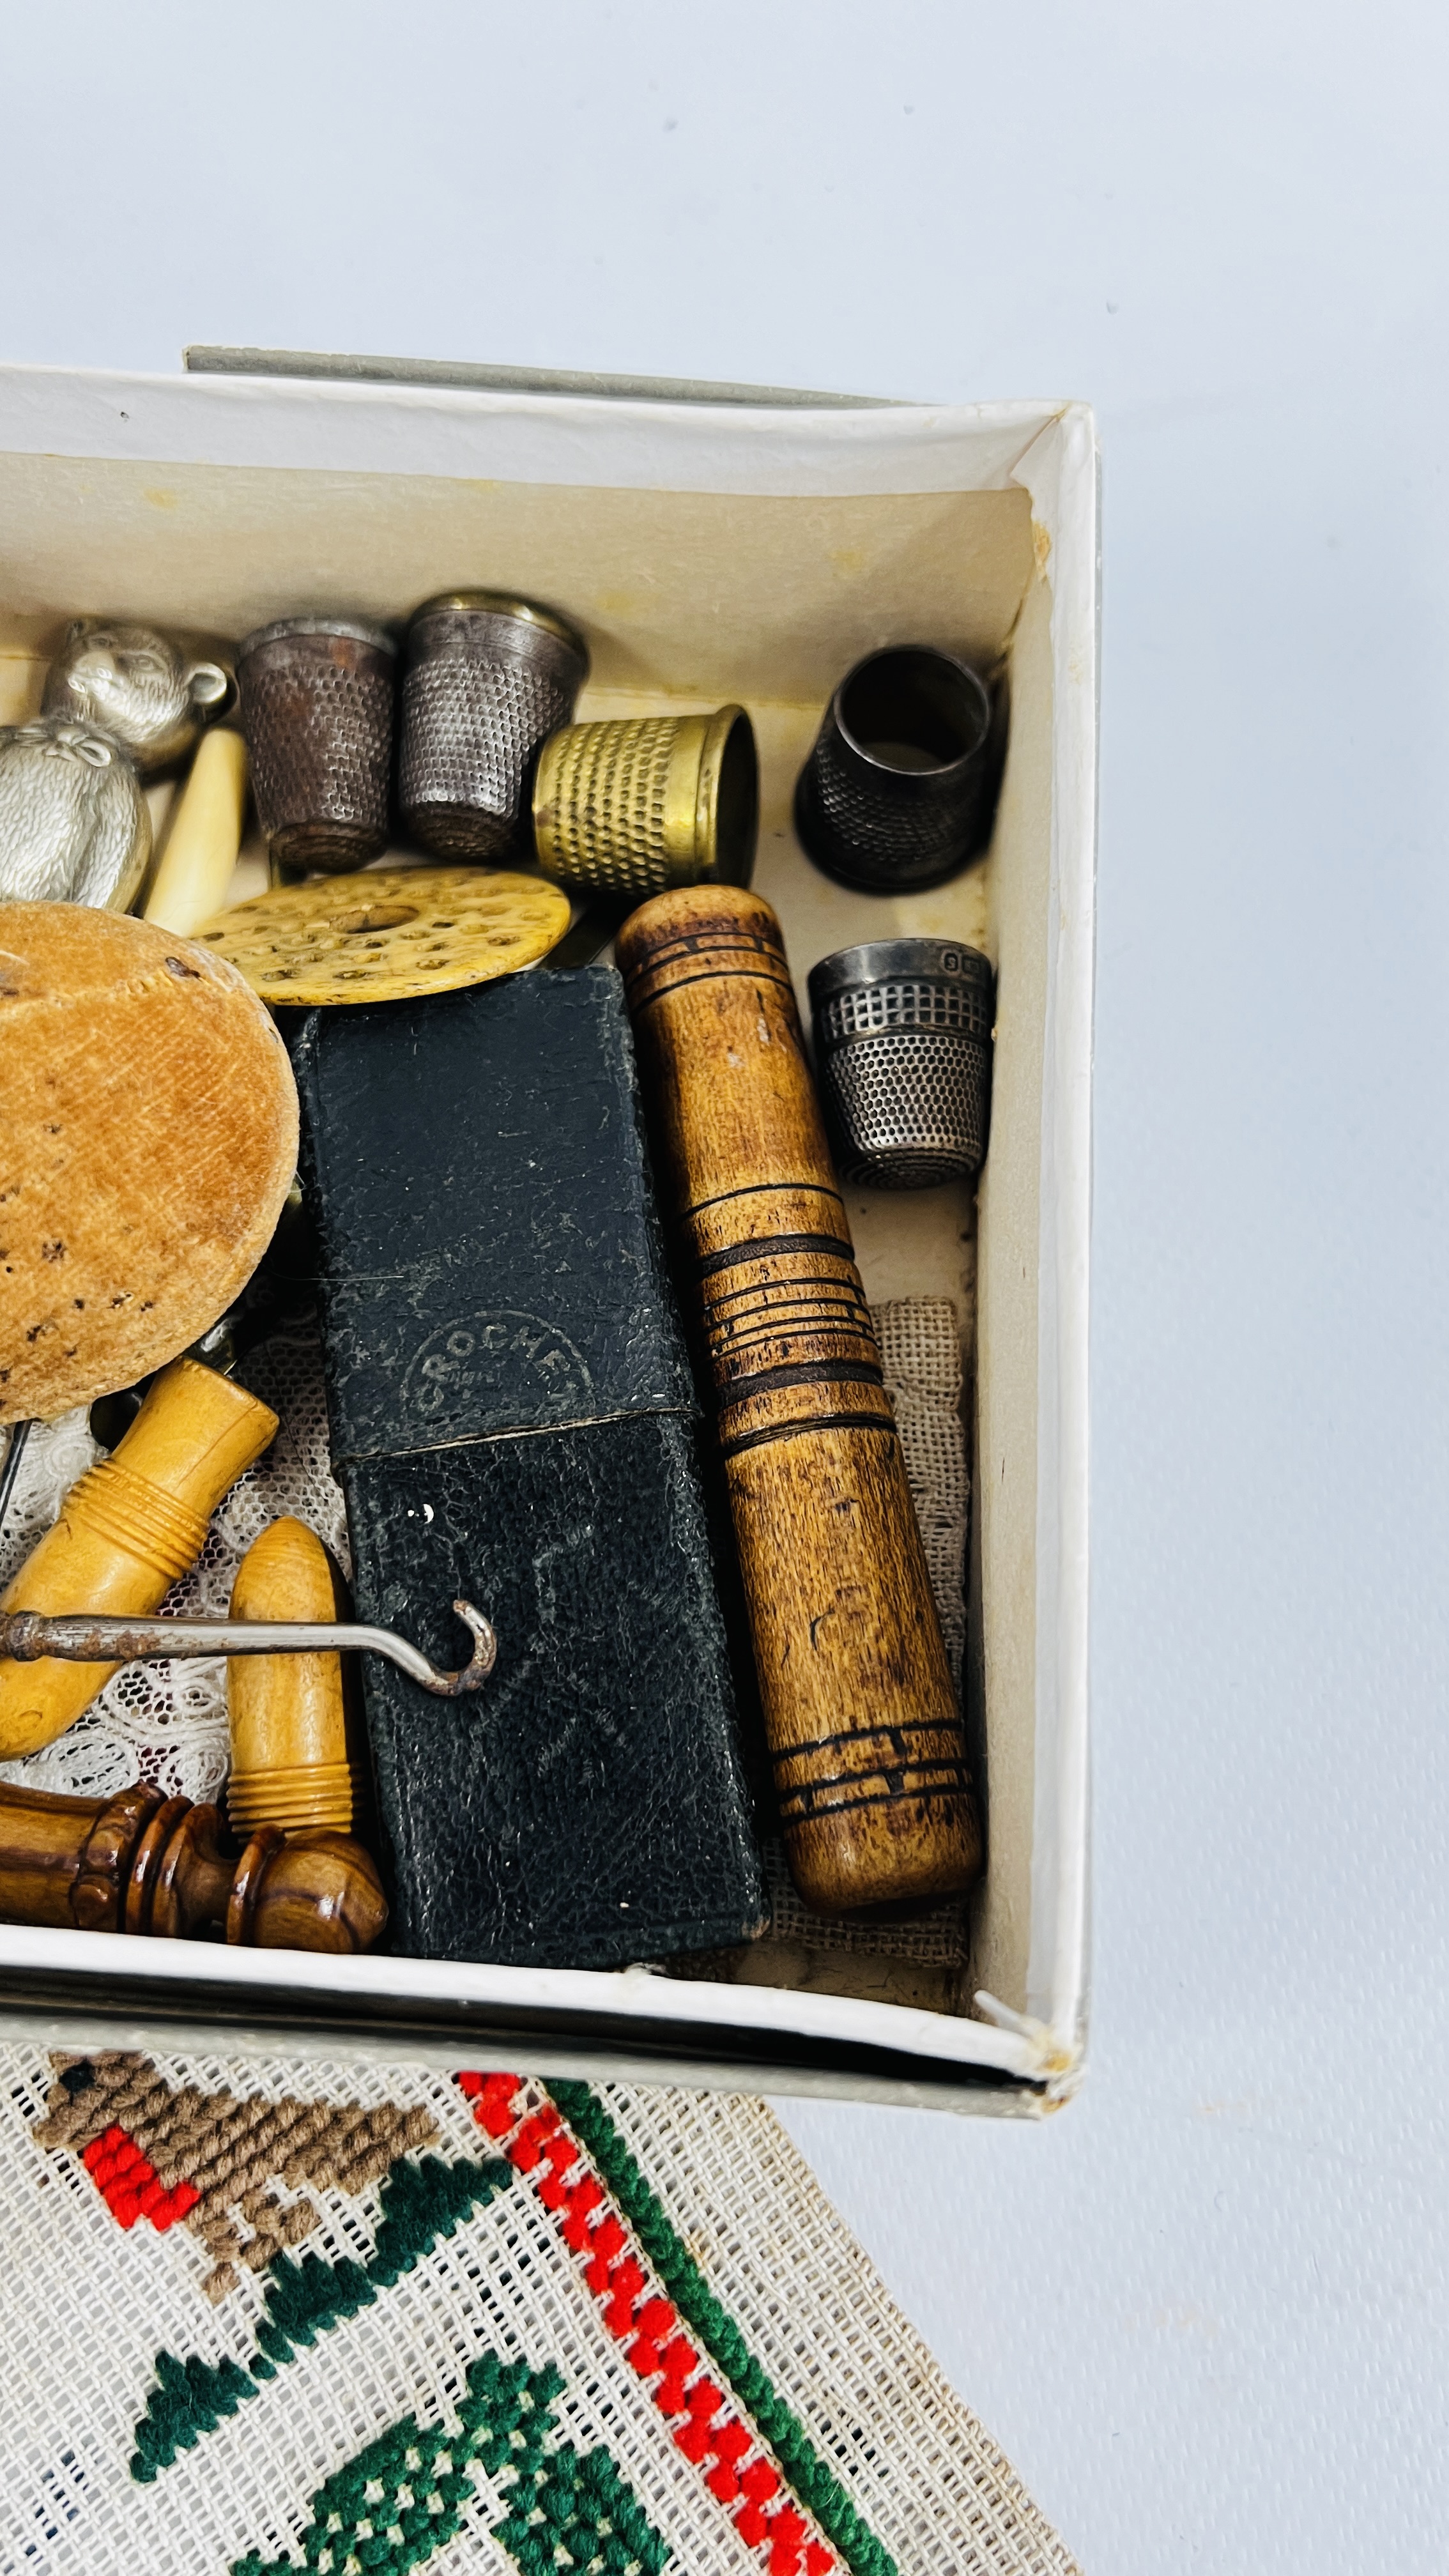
(27, 1635)
(128, 1529)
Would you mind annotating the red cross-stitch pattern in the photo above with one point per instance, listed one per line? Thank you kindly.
(707, 2426)
(130, 2185)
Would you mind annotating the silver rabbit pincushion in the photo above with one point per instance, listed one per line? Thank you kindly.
(146, 690)
(74, 824)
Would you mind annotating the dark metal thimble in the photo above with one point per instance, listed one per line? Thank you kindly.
(890, 798)
(488, 678)
(903, 1060)
(316, 708)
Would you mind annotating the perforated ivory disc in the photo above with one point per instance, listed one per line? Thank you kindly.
(389, 933)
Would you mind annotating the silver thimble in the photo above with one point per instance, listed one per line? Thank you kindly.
(316, 709)
(488, 678)
(892, 794)
(903, 1060)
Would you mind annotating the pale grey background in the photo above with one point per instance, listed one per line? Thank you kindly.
(1205, 2309)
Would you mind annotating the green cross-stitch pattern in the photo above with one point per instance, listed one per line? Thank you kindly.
(404, 2495)
(420, 2203)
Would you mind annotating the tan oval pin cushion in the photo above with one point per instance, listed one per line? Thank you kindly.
(150, 1126)
(389, 935)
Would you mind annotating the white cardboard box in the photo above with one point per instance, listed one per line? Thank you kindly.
(709, 550)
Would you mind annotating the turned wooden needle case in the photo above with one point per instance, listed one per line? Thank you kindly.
(863, 1728)
(143, 1863)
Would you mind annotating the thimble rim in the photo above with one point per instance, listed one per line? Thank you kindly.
(727, 811)
(505, 603)
(952, 662)
(884, 961)
(360, 630)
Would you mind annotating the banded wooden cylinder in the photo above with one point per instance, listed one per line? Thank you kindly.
(128, 1529)
(864, 1732)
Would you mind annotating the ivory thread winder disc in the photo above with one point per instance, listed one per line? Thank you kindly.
(388, 935)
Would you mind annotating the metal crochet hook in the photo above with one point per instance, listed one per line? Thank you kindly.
(30, 1634)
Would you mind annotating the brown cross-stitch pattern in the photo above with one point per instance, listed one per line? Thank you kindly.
(228, 2151)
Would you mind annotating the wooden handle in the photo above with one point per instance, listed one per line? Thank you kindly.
(127, 1530)
(205, 838)
(147, 1864)
(294, 1721)
(863, 1728)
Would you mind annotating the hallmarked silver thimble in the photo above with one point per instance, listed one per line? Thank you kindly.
(891, 796)
(317, 712)
(903, 1060)
(488, 678)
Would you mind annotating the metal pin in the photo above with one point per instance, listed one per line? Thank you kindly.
(15, 1451)
(27, 1635)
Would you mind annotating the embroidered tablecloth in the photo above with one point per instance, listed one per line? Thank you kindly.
(259, 2319)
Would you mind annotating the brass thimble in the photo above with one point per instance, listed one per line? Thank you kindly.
(641, 803)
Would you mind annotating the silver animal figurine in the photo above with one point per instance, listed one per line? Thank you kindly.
(74, 825)
(142, 688)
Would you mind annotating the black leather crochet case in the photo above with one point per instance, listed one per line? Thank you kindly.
(513, 1421)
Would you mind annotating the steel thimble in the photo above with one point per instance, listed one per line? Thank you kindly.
(634, 806)
(890, 798)
(488, 678)
(316, 709)
(903, 1060)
